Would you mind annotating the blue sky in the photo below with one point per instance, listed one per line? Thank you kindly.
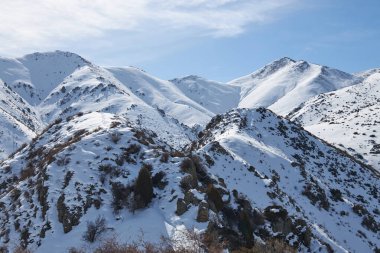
(219, 39)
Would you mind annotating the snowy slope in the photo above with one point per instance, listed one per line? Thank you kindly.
(284, 84)
(216, 97)
(271, 160)
(19, 122)
(94, 89)
(63, 179)
(82, 147)
(348, 118)
(163, 95)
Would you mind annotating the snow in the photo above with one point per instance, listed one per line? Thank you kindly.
(265, 157)
(347, 118)
(216, 97)
(19, 122)
(285, 84)
(245, 150)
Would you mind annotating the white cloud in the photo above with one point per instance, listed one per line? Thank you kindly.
(47, 24)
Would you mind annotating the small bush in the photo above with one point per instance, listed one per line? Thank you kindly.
(316, 195)
(370, 223)
(106, 168)
(24, 238)
(15, 194)
(120, 194)
(271, 246)
(27, 172)
(359, 209)
(158, 180)
(94, 229)
(63, 161)
(114, 124)
(336, 194)
(67, 179)
(186, 165)
(19, 249)
(133, 149)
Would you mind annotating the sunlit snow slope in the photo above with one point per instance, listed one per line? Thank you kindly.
(284, 84)
(349, 118)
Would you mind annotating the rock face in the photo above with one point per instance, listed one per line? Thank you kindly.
(191, 199)
(182, 207)
(203, 212)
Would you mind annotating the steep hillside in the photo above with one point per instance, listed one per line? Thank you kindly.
(249, 167)
(19, 122)
(284, 84)
(347, 118)
(71, 174)
(271, 161)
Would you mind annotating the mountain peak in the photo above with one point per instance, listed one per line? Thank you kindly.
(285, 60)
(187, 78)
(52, 54)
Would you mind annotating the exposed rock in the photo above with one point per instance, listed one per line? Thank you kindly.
(203, 212)
(182, 207)
(282, 225)
(191, 199)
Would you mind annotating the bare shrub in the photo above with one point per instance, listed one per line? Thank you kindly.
(95, 229)
(63, 161)
(271, 246)
(20, 249)
(164, 157)
(133, 149)
(158, 180)
(27, 172)
(120, 194)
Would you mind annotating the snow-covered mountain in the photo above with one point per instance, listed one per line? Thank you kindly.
(284, 84)
(249, 177)
(281, 86)
(348, 118)
(35, 75)
(193, 101)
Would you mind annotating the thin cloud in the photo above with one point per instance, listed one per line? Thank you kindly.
(46, 24)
